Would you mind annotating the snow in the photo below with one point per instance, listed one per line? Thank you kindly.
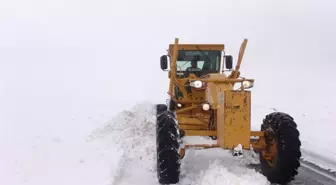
(133, 133)
(58, 162)
(194, 140)
(67, 67)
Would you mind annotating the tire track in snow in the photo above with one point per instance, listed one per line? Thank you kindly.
(317, 170)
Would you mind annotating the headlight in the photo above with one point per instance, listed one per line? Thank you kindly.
(247, 84)
(196, 84)
(205, 106)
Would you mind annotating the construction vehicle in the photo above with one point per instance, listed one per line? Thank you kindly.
(203, 101)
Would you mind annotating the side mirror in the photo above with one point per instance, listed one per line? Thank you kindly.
(164, 62)
(228, 62)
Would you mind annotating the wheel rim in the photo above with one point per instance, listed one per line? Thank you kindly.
(272, 155)
(274, 161)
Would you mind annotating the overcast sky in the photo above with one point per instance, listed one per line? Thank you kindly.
(68, 57)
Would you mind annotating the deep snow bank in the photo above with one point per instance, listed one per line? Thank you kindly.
(133, 133)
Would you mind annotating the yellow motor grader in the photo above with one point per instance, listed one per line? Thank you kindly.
(203, 101)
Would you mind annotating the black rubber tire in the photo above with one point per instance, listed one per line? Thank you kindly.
(289, 152)
(167, 144)
(160, 108)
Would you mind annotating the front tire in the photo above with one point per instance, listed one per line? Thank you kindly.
(167, 141)
(287, 161)
(160, 108)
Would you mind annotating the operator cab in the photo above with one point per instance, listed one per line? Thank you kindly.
(197, 59)
(199, 63)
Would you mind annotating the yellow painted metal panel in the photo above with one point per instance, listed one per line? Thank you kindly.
(200, 133)
(237, 116)
(219, 47)
(220, 120)
(192, 127)
(184, 120)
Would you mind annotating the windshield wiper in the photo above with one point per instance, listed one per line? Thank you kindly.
(204, 54)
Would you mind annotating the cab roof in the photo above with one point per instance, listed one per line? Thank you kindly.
(218, 47)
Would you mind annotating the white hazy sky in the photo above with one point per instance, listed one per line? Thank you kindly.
(67, 58)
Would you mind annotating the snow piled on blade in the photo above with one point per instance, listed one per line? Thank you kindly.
(133, 133)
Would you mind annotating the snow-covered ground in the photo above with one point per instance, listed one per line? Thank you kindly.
(122, 152)
(68, 67)
(53, 161)
(133, 133)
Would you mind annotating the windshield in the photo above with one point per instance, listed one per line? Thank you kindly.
(204, 61)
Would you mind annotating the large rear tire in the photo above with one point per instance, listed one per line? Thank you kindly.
(167, 143)
(287, 161)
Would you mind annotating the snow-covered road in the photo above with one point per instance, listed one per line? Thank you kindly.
(122, 152)
(133, 133)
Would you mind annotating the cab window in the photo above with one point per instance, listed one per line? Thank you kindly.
(204, 61)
